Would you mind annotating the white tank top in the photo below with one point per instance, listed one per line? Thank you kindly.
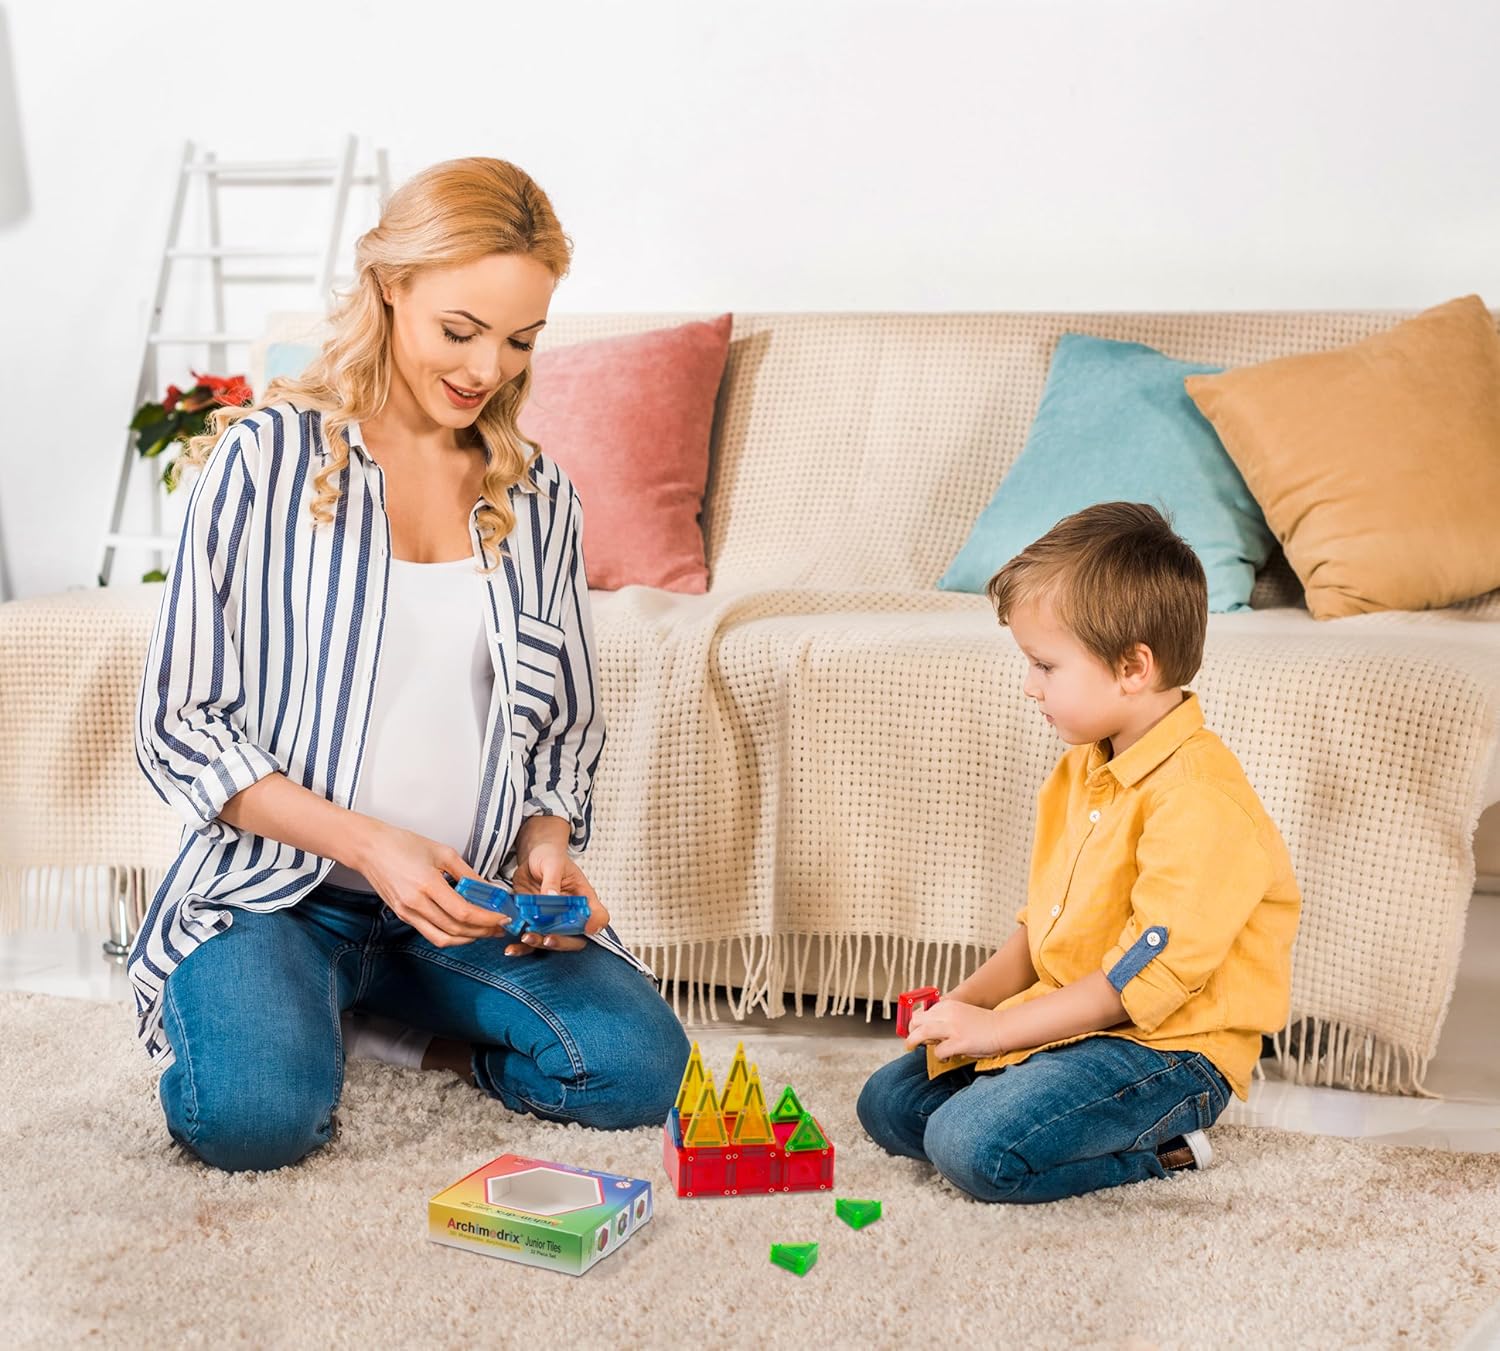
(432, 700)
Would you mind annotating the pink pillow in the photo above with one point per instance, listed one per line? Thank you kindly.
(628, 419)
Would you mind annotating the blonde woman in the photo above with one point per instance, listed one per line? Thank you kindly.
(373, 674)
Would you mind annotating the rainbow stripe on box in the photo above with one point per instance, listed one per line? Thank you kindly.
(541, 1213)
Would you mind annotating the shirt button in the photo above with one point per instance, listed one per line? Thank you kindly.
(1094, 815)
(1153, 939)
(1056, 911)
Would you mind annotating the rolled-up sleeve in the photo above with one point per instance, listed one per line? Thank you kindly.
(560, 770)
(1200, 872)
(190, 736)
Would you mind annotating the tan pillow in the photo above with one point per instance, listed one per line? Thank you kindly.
(1377, 464)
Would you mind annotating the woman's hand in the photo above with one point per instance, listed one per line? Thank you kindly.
(544, 867)
(957, 1028)
(407, 870)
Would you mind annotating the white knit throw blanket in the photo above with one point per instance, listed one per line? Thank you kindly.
(830, 794)
(820, 776)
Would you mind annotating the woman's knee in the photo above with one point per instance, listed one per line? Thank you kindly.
(634, 1081)
(611, 1076)
(242, 1102)
(256, 1069)
(238, 1128)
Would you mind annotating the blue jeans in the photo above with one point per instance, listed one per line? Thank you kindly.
(1063, 1122)
(253, 1018)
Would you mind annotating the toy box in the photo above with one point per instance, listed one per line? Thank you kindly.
(733, 1146)
(543, 1214)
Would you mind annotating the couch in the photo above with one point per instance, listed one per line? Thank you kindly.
(820, 774)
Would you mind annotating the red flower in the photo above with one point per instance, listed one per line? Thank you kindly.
(236, 392)
(232, 390)
(170, 402)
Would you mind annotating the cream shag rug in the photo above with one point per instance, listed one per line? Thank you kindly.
(110, 1233)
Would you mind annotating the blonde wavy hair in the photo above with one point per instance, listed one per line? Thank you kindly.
(451, 213)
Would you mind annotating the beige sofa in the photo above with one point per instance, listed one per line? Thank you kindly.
(820, 775)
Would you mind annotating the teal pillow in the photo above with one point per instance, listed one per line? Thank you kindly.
(1115, 424)
(287, 358)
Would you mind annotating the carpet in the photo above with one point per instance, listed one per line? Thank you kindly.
(111, 1233)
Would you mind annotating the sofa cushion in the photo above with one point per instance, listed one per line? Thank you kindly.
(287, 359)
(629, 420)
(1115, 424)
(1377, 463)
(857, 450)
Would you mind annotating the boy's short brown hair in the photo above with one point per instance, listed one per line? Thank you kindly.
(1116, 574)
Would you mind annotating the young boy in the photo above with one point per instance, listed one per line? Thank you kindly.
(1154, 948)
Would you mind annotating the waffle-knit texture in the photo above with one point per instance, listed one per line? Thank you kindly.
(821, 774)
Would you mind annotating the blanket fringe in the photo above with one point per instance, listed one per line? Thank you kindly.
(836, 972)
(95, 899)
(756, 972)
(1312, 1050)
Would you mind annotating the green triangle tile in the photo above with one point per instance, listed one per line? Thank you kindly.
(856, 1214)
(797, 1257)
(788, 1106)
(806, 1136)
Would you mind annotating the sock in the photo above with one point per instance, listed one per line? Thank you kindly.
(368, 1037)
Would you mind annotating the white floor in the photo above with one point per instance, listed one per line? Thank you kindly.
(1466, 1071)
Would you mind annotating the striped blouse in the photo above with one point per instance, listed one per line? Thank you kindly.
(263, 658)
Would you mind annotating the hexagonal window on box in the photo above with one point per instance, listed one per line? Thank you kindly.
(544, 1191)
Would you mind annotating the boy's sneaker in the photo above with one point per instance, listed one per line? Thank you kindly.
(1185, 1151)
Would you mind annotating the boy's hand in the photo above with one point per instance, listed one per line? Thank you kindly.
(957, 1028)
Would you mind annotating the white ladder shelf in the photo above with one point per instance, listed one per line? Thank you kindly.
(312, 267)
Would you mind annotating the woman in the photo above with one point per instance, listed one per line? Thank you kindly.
(379, 588)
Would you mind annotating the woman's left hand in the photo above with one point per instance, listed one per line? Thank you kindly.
(547, 869)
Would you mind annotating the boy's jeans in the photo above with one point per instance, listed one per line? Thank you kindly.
(1062, 1122)
(253, 1018)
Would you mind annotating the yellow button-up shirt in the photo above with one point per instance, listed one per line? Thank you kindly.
(1161, 868)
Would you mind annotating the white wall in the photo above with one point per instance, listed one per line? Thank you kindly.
(1048, 154)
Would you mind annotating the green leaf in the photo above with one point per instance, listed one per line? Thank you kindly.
(152, 438)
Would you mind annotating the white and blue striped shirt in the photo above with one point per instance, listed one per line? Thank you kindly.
(264, 656)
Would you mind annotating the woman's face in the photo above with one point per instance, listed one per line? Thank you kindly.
(466, 330)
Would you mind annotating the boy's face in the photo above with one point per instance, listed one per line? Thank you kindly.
(1082, 698)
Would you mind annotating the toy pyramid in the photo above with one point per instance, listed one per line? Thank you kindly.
(730, 1145)
(692, 1082)
(739, 1078)
(706, 1125)
(752, 1126)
